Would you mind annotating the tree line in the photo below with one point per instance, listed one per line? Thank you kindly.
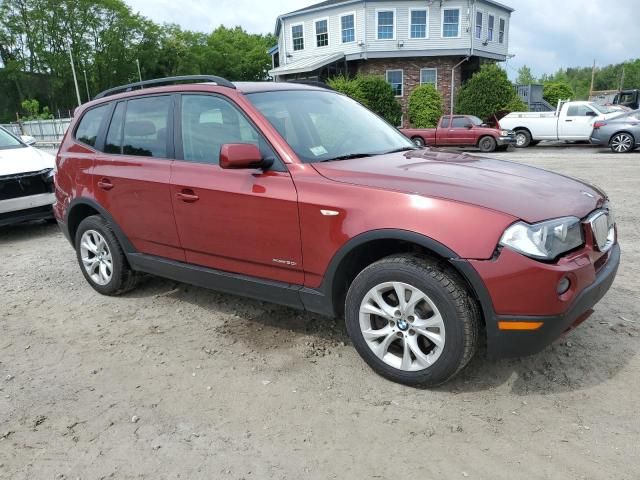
(106, 38)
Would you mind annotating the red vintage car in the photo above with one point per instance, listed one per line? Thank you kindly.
(462, 131)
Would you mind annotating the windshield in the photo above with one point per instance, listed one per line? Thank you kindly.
(9, 141)
(604, 109)
(475, 120)
(323, 126)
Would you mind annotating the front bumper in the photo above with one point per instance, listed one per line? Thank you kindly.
(23, 209)
(505, 141)
(517, 343)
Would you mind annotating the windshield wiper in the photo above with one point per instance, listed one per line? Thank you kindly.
(398, 150)
(349, 156)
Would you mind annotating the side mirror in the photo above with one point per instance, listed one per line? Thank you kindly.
(28, 139)
(469, 126)
(240, 155)
(591, 113)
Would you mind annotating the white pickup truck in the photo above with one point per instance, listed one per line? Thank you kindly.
(572, 121)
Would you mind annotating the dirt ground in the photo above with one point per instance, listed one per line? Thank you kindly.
(173, 381)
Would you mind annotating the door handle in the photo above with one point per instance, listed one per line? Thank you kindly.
(105, 184)
(187, 195)
(568, 120)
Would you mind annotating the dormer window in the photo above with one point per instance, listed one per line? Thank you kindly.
(297, 35)
(322, 33)
(386, 27)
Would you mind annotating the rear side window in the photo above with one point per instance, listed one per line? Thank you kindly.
(445, 122)
(89, 125)
(113, 143)
(145, 127)
(209, 122)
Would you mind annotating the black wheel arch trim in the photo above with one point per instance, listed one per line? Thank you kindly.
(311, 297)
(126, 245)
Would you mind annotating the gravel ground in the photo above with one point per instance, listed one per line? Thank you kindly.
(173, 381)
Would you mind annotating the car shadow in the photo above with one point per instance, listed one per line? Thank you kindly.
(28, 231)
(571, 363)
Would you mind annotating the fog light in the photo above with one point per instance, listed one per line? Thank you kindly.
(563, 286)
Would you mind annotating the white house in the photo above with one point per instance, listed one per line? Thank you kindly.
(410, 42)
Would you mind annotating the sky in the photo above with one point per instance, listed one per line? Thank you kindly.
(545, 34)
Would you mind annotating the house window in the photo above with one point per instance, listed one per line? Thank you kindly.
(479, 18)
(419, 23)
(394, 78)
(450, 22)
(503, 24)
(297, 34)
(322, 33)
(348, 25)
(385, 25)
(429, 75)
(492, 22)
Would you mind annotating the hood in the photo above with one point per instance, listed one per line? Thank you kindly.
(22, 160)
(524, 192)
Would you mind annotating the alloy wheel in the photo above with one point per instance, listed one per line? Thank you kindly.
(96, 257)
(521, 139)
(402, 326)
(622, 143)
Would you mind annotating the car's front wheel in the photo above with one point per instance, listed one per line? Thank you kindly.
(412, 320)
(101, 258)
(487, 144)
(622, 143)
(418, 141)
(523, 139)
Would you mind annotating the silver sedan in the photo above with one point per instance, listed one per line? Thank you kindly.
(621, 134)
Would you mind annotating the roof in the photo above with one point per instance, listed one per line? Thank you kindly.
(306, 64)
(332, 3)
(257, 87)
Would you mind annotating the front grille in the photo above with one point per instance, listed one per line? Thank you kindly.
(25, 184)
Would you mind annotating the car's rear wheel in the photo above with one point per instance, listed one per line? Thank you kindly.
(487, 144)
(622, 143)
(523, 139)
(101, 258)
(418, 141)
(412, 320)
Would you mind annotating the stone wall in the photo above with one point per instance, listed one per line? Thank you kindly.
(411, 68)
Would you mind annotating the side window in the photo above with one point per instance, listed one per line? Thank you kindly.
(113, 143)
(578, 111)
(89, 126)
(459, 122)
(145, 127)
(445, 122)
(208, 122)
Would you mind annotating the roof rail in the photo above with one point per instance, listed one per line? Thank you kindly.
(166, 81)
(311, 83)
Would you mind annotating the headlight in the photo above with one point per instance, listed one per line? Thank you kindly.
(545, 240)
(504, 133)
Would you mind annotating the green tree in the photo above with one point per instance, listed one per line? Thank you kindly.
(487, 92)
(525, 77)
(349, 86)
(555, 91)
(379, 97)
(425, 107)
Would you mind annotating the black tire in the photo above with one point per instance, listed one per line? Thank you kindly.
(502, 148)
(122, 277)
(533, 143)
(458, 310)
(622, 142)
(487, 144)
(523, 139)
(418, 141)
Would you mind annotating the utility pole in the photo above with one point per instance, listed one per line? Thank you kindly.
(593, 78)
(139, 74)
(86, 84)
(75, 79)
(622, 79)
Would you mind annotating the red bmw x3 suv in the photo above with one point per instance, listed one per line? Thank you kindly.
(298, 195)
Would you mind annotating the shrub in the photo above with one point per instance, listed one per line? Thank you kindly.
(425, 107)
(373, 92)
(554, 91)
(31, 109)
(488, 92)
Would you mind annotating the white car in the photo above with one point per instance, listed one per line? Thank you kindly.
(572, 121)
(26, 180)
